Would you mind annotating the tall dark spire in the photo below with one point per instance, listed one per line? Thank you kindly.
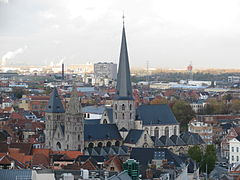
(55, 103)
(124, 86)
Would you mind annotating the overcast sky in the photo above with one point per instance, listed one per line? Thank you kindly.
(167, 33)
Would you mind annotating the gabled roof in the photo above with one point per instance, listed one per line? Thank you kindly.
(191, 138)
(55, 103)
(177, 140)
(133, 136)
(155, 114)
(94, 132)
(124, 86)
(166, 141)
(93, 109)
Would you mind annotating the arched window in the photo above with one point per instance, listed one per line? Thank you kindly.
(167, 131)
(115, 106)
(156, 132)
(175, 130)
(145, 145)
(59, 146)
(130, 107)
(117, 143)
(67, 137)
(100, 144)
(115, 115)
(90, 145)
(108, 144)
(130, 115)
(79, 137)
(145, 137)
(123, 107)
(105, 121)
(123, 115)
(58, 135)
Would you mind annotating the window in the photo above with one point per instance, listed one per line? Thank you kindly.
(123, 107)
(130, 115)
(167, 131)
(115, 115)
(232, 158)
(130, 107)
(115, 106)
(237, 158)
(111, 168)
(123, 115)
(232, 149)
(156, 132)
(145, 137)
(175, 130)
(237, 149)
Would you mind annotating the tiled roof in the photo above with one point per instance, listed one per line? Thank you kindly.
(156, 114)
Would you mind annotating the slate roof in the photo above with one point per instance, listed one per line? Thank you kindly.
(191, 138)
(145, 155)
(109, 111)
(124, 86)
(92, 121)
(106, 151)
(55, 103)
(156, 114)
(13, 174)
(94, 132)
(238, 138)
(166, 141)
(133, 136)
(93, 109)
(121, 176)
(177, 140)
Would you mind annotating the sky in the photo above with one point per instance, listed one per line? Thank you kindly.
(166, 33)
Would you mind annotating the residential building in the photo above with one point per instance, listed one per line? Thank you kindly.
(205, 130)
(234, 150)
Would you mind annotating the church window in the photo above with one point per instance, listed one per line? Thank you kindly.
(100, 144)
(146, 129)
(104, 121)
(91, 145)
(145, 145)
(175, 130)
(58, 135)
(130, 107)
(117, 143)
(58, 145)
(123, 115)
(115, 106)
(130, 115)
(123, 107)
(145, 137)
(167, 131)
(115, 115)
(109, 144)
(156, 132)
(67, 146)
(78, 137)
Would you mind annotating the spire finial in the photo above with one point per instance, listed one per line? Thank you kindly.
(123, 17)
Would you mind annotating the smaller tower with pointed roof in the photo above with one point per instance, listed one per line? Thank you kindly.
(74, 123)
(54, 118)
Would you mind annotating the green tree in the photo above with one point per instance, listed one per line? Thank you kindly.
(18, 93)
(209, 159)
(195, 153)
(183, 113)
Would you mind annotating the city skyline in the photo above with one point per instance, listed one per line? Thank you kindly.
(166, 34)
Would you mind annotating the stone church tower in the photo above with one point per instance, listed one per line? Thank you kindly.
(74, 123)
(54, 118)
(123, 105)
(64, 130)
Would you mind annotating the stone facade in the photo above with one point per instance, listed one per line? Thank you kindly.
(124, 114)
(162, 130)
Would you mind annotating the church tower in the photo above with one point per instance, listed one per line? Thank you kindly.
(123, 105)
(54, 118)
(74, 123)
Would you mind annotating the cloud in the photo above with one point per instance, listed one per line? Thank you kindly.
(12, 54)
(4, 1)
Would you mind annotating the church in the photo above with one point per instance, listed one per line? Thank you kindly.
(121, 124)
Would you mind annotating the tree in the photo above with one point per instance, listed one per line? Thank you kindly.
(18, 93)
(195, 153)
(235, 108)
(209, 159)
(159, 101)
(183, 113)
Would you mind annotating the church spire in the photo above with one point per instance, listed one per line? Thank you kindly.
(74, 106)
(55, 104)
(124, 86)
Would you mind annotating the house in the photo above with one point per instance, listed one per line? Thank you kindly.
(234, 150)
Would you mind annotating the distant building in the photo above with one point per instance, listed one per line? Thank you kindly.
(233, 79)
(234, 150)
(105, 70)
(205, 130)
(198, 107)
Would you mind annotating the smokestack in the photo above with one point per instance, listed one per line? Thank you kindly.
(62, 71)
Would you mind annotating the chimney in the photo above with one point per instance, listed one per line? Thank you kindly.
(62, 71)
